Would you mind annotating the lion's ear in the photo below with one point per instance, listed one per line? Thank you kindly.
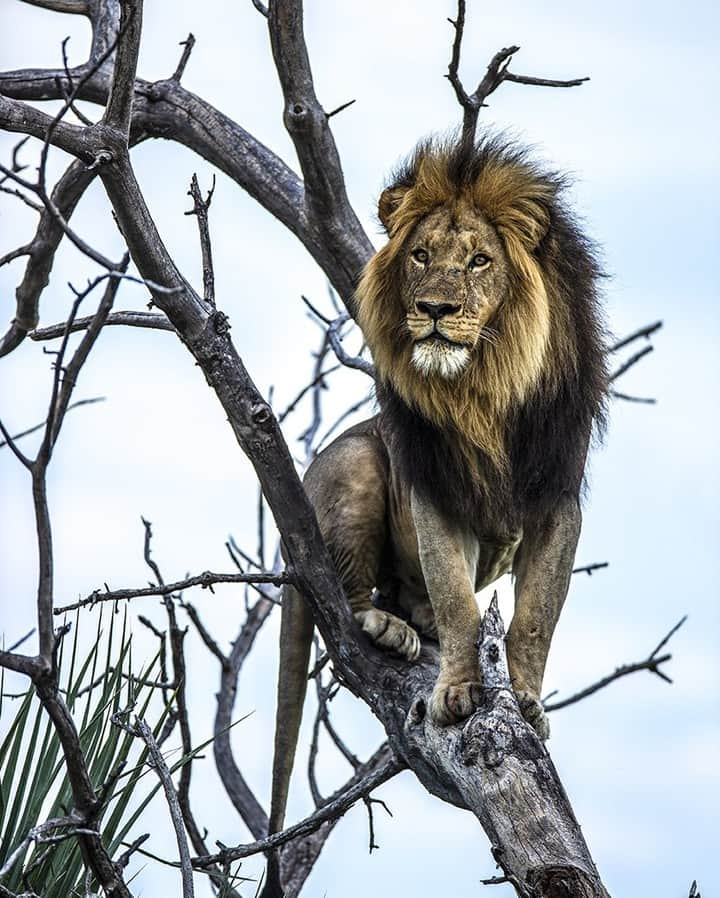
(388, 204)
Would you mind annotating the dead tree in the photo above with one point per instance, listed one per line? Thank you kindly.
(493, 764)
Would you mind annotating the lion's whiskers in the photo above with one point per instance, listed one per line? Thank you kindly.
(489, 335)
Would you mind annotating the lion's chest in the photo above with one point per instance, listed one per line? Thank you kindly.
(487, 555)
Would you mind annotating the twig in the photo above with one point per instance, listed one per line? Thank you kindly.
(187, 46)
(647, 332)
(200, 210)
(69, 91)
(316, 381)
(124, 859)
(335, 337)
(145, 733)
(147, 555)
(633, 360)
(83, 350)
(20, 641)
(645, 400)
(44, 834)
(651, 663)
(25, 433)
(590, 569)
(72, 236)
(340, 108)
(335, 807)
(206, 580)
(497, 73)
(203, 632)
(369, 802)
(237, 789)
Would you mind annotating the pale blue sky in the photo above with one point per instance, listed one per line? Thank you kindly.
(641, 139)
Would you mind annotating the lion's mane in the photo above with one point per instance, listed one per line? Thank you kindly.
(510, 434)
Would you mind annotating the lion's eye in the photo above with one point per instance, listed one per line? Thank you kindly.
(420, 255)
(479, 260)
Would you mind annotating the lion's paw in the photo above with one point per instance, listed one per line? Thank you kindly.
(533, 711)
(389, 632)
(451, 702)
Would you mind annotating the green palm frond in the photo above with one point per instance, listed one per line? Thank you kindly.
(33, 783)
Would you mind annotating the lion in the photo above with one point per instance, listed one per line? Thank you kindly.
(482, 316)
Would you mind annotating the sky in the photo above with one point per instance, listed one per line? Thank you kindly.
(638, 759)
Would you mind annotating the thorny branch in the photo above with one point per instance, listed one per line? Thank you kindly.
(206, 580)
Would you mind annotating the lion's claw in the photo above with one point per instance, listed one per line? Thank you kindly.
(389, 632)
(451, 702)
(533, 711)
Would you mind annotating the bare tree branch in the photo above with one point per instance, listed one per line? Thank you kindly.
(187, 46)
(497, 72)
(335, 807)
(651, 663)
(206, 580)
(326, 201)
(142, 730)
(590, 569)
(78, 404)
(633, 360)
(76, 7)
(150, 320)
(646, 332)
(200, 211)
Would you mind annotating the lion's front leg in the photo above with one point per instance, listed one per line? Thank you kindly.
(449, 584)
(542, 567)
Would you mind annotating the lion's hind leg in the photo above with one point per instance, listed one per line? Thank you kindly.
(347, 485)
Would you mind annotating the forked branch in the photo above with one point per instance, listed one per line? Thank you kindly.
(497, 72)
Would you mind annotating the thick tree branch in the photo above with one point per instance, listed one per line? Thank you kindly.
(118, 112)
(326, 200)
(165, 109)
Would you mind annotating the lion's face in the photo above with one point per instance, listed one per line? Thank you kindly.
(454, 277)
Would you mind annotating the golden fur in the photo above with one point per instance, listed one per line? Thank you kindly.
(514, 198)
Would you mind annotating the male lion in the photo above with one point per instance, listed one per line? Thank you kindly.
(481, 314)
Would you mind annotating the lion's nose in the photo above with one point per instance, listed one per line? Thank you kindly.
(437, 310)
